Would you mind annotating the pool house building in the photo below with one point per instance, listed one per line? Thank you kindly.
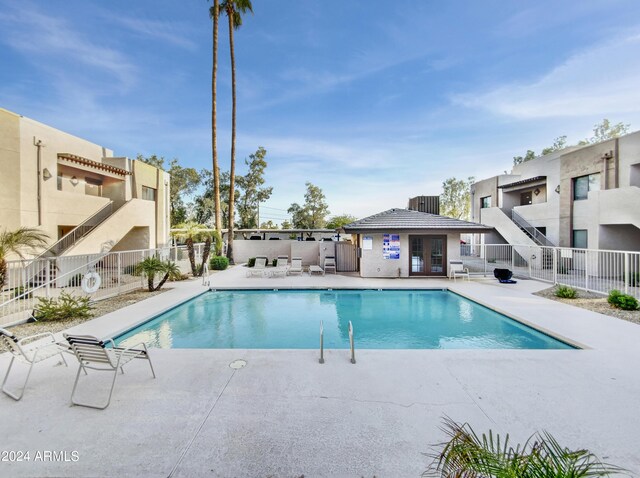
(408, 243)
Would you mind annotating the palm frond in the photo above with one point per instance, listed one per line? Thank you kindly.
(21, 239)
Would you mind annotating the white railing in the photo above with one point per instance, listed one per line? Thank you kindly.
(588, 269)
(27, 281)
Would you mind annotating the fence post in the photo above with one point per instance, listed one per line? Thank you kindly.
(47, 276)
(626, 272)
(555, 265)
(119, 274)
(586, 270)
(484, 254)
(513, 259)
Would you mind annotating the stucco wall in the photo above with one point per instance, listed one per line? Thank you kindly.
(10, 170)
(309, 251)
(373, 264)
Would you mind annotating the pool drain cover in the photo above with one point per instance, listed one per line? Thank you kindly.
(238, 364)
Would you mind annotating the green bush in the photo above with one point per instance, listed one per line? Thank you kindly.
(566, 292)
(218, 263)
(622, 301)
(19, 291)
(65, 307)
(131, 270)
(251, 262)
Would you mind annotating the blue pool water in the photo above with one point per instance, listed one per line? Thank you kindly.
(387, 319)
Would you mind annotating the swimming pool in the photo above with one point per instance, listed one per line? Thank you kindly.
(290, 319)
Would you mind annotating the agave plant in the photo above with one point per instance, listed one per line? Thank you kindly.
(468, 455)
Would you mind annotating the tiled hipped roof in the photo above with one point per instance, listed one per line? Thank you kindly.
(406, 219)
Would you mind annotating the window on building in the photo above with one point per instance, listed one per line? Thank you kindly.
(60, 178)
(92, 186)
(485, 202)
(148, 193)
(580, 238)
(584, 184)
(526, 198)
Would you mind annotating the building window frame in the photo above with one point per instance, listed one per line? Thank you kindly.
(580, 238)
(149, 194)
(583, 184)
(485, 202)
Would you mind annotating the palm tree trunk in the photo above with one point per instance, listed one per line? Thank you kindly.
(205, 253)
(150, 278)
(192, 255)
(161, 283)
(232, 171)
(214, 133)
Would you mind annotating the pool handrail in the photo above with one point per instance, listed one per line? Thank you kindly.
(353, 351)
(321, 343)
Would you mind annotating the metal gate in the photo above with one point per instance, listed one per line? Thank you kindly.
(346, 257)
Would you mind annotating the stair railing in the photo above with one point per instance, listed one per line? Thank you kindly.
(532, 231)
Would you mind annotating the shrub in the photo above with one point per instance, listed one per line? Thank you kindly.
(218, 263)
(251, 262)
(622, 301)
(19, 291)
(131, 270)
(65, 307)
(566, 292)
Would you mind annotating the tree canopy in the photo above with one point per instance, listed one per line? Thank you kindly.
(252, 191)
(337, 222)
(455, 200)
(312, 214)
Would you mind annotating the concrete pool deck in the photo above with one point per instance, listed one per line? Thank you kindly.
(286, 415)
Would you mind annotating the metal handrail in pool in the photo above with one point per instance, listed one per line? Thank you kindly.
(353, 352)
(321, 343)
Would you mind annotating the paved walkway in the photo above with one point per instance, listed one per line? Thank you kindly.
(285, 415)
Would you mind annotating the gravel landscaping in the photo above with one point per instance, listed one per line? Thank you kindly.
(101, 308)
(595, 303)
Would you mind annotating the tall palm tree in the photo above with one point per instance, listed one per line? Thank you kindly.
(214, 13)
(16, 242)
(234, 10)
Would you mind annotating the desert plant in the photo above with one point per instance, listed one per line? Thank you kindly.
(218, 263)
(565, 292)
(16, 242)
(21, 293)
(468, 455)
(152, 266)
(622, 301)
(251, 262)
(190, 232)
(65, 307)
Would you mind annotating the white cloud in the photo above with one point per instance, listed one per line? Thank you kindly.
(170, 32)
(601, 80)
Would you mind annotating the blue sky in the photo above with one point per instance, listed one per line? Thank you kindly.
(372, 101)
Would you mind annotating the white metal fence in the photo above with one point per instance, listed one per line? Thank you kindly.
(27, 281)
(589, 269)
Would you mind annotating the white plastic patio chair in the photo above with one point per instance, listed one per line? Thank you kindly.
(93, 354)
(296, 266)
(457, 269)
(330, 264)
(282, 263)
(29, 350)
(259, 268)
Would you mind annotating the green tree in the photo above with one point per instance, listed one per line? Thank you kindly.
(559, 143)
(338, 221)
(268, 225)
(151, 266)
(184, 182)
(19, 241)
(455, 200)
(312, 215)
(527, 157)
(214, 13)
(203, 210)
(286, 225)
(604, 131)
(252, 192)
(191, 232)
(234, 10)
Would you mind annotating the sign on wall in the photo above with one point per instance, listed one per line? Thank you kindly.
(367, 243)
(391, 246)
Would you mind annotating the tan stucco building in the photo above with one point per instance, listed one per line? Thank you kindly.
(582, 196)
(57, 182)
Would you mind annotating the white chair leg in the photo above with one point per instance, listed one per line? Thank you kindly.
(24, 386)
(88, 405)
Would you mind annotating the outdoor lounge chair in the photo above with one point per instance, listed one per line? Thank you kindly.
(504, 276)
(259, 268)
(296, 266)
(92, 354)
(29, 350)
(330, 264)
(282, 264)
(456, 268)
